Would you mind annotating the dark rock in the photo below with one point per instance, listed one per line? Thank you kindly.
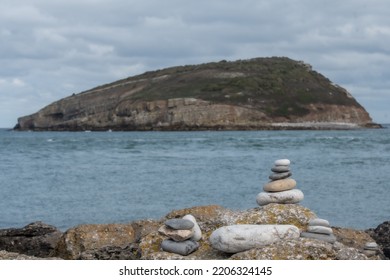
(179, 224)
(36, 239)
(381, 234)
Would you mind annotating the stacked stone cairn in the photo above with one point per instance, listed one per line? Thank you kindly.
(371, 249)
(281, 188)
(182, 234)
(319, 229)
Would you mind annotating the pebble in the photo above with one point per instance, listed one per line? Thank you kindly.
(238, 238)
(280, 168)
(280, 185)
(279, 176)
(324, 237)
(197, 231)
(176, 234)
(283, 197)
(320, 229)
(182, 248)
(179, 224)
(284, 162)
(319, 222)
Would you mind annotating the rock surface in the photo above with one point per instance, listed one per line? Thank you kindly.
(381, 234)
(244, 94)
(93, 237)
(36, 239)
(238, 238)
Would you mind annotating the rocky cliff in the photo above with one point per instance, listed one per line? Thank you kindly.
(260, 93)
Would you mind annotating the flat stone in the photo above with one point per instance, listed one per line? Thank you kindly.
(371, 246)
(280, 168)
(280, 185)
(320, 229)
(176, 234)
(370, 253)
(324, 237)
(182, 248)
(279, 176)
(284, 197)
(319, 222)
(179, 224)
(197, 231)
(238, 238)
(284, 162)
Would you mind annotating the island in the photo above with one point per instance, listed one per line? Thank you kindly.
(255, 94)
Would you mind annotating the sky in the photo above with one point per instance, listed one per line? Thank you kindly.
(50, 49)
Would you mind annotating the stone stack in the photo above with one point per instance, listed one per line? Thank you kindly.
(371, 249)
(281, 188)
(319, 229)
(182, 234)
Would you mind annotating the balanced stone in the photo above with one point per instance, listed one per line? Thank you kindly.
(238, 238)
(197, 232)
(284, 162)
(371, 246)
(280, 168)
(320, 229)
(279, 176)
(324, 237)
(176, 234)
(319, 222)
(179, 224)
(182, 248)
(280, 185)
(284, 197)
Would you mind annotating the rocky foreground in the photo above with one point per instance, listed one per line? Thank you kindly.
(261, 93)
(142, 239)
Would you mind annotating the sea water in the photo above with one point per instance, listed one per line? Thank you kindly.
(70, 178)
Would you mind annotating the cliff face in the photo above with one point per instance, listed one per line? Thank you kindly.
(262, 93)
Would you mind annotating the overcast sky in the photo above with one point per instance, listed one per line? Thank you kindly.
(50, 49)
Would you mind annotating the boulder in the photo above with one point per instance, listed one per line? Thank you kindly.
(381, 234)
(92, 237)
(238, 238)
(36, 239)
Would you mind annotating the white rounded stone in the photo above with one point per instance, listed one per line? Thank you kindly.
(197, 231)
(284, 197)
(284, 162)
(238, 238)
(320, 229)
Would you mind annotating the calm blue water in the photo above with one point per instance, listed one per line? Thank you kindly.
(70, 178)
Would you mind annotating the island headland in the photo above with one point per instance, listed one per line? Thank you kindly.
(254, 94)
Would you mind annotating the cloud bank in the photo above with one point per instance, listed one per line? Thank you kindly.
(51, 49)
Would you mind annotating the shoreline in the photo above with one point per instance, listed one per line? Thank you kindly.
(141, 239)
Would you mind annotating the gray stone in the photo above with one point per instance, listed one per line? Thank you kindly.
(284, 162)
(182, 248)
(280, 185)
(284, 197)
(176, 234)
(179, 224)
(197, 231)
(324, 237)
(320, 229)
(238, 238)
(319, 222)
(280, 168)
(279, 176)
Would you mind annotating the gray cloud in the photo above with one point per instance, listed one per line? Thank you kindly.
(50, 49)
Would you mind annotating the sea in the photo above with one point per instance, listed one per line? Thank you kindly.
(69, 178)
